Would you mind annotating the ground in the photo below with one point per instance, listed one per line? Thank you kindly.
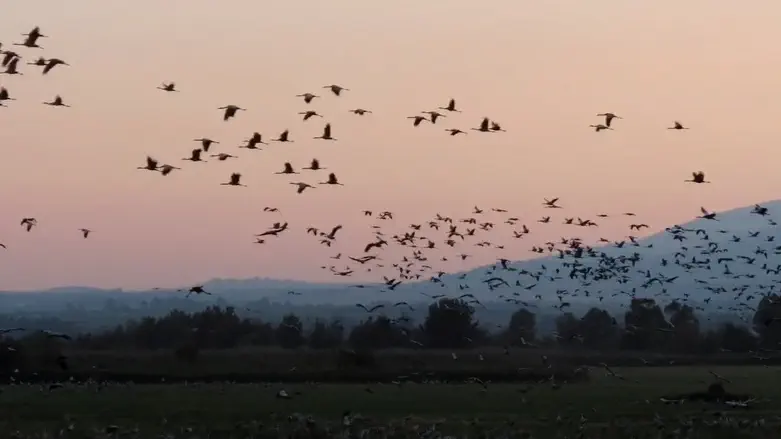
(610, 407)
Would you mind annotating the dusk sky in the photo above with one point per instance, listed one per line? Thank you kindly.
(541, 69)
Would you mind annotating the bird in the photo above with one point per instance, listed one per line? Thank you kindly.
(416, 120)
(288, 169)
(600, 127)
(85, 232)
(253, 141)
(332, 180)
(31, 41)
(372, 309)
(167, 169)
(314, 165)
(198, 289)
(195, 156)
(336, 89)
(496, 127)
(230, 111)
(326, 133)
(283, 137)
(434, 115)
(309, 114)
(485, 126)
(52, 63)
(4, 95)
(151, 164)
(35, 33)
(41, 62)
(360, 111)
(11, 67)
(28, 223)
(206, 143)
(697, 177)
(57, 102)
(301, 187)
(677, 126)
(608, 118)
(307, 97)
(234, 180)
(454, 131)
(223, 156)
(168, 87)
(451, 106)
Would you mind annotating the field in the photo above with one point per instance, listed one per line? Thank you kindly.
(602, 407)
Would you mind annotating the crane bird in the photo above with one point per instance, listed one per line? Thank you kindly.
(496, 127)
(485, 126)
(301, 187)
(326, 133)
(230, 111)
(52, 63)
(11, 68)
(235, 180)
(31, 41)
(168, 87)
(451, 106)
(608, 118)
(332, 180)
(28, 223)
(416, 120)
(697, 177)
(336, 89)
(195, 156)
(35, 33)
(307, 97)
(167, 169)
(454, 131)
(41, 61)
(360, 111)
(314, 166)
(253, 141)
(677, 126)
(309, 114)
(85, 232)
(151, 164)
(4, 95)
(206, 143)
(223, 156)
(288, 169)
(600, 127)
(57, 102)
(283, 137)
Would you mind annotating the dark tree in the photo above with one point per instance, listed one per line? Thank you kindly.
(599, 330)
(450, 324)
(325, 335)
(644, 326)
(289, 333)
(523, 325)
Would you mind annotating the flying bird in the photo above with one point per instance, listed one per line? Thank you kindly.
(230, 111)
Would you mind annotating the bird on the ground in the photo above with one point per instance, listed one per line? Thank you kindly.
(307, 97)
(288, 169)
(230, 111)
(336, 89)
(85, 232)
(697, 177)
(57, 102)
(206, 143)
(451, 106)
(52, 63)
(195, 156)
(168, 87)
(309, 114)
(332, 180)
(314, 165)
(326, 133)
(677, 126)
(235, 180)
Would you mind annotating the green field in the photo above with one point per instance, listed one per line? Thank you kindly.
(610, 408)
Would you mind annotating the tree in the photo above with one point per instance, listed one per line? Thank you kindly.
(324, 336)
(767, 321)
(450, 324)
(378, 333)
(523, 325)
(598, 329)
(289, 333)
(567, 329)
(686, 326)
(642, 324)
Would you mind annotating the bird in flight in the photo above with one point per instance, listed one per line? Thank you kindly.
(230, 111)
(168, 87)
(85, 232)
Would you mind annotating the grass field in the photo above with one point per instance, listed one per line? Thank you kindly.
(609, 408)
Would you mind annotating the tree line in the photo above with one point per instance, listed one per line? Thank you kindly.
(449, 324)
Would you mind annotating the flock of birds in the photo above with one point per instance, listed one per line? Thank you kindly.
(417, 265)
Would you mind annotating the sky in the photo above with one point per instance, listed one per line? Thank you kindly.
(541, 69)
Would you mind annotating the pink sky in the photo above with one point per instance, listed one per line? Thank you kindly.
(542, 69)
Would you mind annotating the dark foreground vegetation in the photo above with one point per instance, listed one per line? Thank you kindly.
(216, 344)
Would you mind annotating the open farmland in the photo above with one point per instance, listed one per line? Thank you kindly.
(603, 407)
